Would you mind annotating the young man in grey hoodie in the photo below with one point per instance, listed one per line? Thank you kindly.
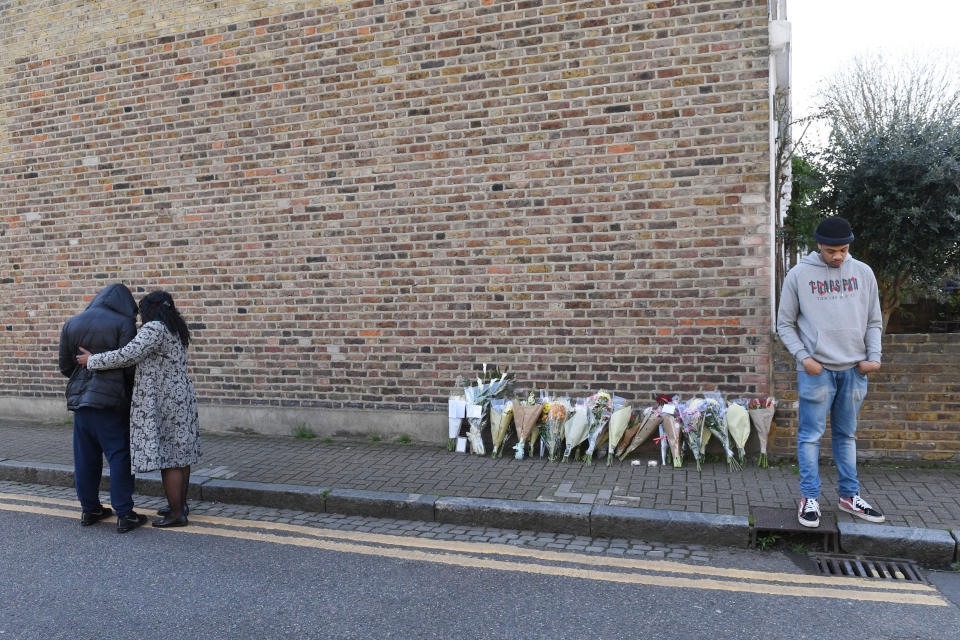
(829, 319)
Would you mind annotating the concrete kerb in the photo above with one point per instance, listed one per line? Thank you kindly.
(927, 546)
(276, 496)
(675, 526)
(57, 475)
(523, 515)
(381, 504)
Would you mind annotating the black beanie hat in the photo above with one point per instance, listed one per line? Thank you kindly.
(834, 232)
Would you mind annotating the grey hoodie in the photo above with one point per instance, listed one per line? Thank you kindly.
(832, 315)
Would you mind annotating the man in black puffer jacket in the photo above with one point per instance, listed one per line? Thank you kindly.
(100, 401)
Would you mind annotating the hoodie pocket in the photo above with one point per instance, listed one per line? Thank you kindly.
(840, 346)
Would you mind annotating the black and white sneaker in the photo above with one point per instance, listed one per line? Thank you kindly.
(809, 512)
(860, 508)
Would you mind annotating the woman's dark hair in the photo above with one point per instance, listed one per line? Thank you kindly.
(158, 305)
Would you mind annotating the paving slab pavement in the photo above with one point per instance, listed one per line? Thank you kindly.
(913, 499)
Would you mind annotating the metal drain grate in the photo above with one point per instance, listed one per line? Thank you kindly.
(832, 564)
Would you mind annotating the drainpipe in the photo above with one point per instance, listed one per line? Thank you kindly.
(780, 78)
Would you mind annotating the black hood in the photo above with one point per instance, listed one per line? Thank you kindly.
(117, 298)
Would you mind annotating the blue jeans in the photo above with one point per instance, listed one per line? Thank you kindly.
(98, 433)
(839, 394)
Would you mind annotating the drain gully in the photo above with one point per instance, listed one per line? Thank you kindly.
(852, 566)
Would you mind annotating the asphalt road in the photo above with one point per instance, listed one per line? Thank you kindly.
(230, 578)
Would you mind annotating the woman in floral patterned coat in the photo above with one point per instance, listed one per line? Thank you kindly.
(164, 428)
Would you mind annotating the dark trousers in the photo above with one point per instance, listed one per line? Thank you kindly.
(98, 433)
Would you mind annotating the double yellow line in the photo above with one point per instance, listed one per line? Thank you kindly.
(499, 557)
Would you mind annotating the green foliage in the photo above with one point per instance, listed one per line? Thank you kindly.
(767, 541)
(328, 440)
(892, 168)
(803, 214)
(950, 302)
(799, 548)
(303, 431)
(899, 190)
(404, 439)
(375, 437)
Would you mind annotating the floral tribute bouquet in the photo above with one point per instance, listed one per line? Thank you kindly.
(501, 417)
(761, 416)
(691, 427)
(575, 428)
(551, 427)
(619, 420)
(601, 408)
(738, 423)
(633, 425)
(492, 384)
(670, 430)
(716, 423)
(526, 414)
(535, 434)
(647, 423)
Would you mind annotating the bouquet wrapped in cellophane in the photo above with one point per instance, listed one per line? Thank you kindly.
(490, 385)
(671, 430)
(601, 408)
(535, 434)
(647, 424)
(526, 414)
(738, 424)
(501, 417)
(716, 422)
(575, 428)
(619, 421)
(691, 426)
(761, 416)
(551, 428)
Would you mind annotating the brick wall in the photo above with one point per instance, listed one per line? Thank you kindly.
(353, 202)
(912, 409)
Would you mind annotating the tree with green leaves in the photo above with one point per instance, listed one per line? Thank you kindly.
(803, 213)
(892, 169)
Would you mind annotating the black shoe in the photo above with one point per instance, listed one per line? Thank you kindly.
(165, 511)
(130, 521)
(171, 522)
(88, 518)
